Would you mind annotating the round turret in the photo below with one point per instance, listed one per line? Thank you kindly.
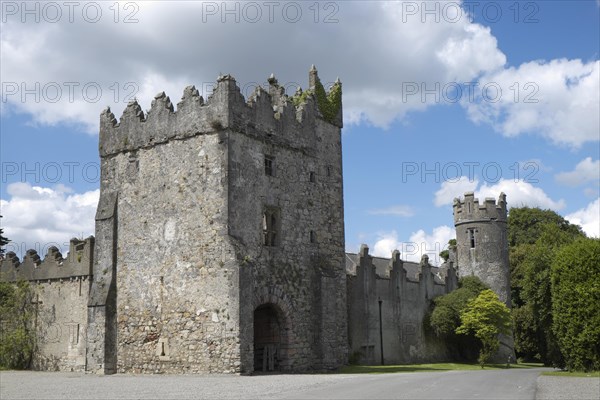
(482, 250)
(482, 243)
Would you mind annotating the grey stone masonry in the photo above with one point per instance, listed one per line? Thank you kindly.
(482, 250)
(482, 241)
(404, 291)
(53, 266)
(219, 235)
(219, 247)
(61, 289)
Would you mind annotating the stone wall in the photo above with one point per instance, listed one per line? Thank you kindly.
(176, 286)
(303, 274)
(482, 250)
(189, 275)
(60, 289)
(403, 292)
(181, 266)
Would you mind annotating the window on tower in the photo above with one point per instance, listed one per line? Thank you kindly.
(472, 237)
(269, 165)
(270, 227)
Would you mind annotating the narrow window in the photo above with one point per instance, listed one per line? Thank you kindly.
(311, 176)
(162, 349)
(472, 238)
(74, 334)
(328, 170)
(270, 224)
(313, 237)
(269, 166)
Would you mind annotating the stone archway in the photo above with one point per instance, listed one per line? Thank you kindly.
(270, 338)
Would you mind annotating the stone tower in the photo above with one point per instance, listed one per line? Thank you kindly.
(482, 249)
(220, 234)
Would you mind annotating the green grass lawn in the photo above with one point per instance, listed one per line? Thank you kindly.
(384, 369)
(593, 374)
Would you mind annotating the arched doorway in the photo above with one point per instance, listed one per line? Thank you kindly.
(268, 338)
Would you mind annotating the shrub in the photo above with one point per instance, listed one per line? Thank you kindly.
(17, 337)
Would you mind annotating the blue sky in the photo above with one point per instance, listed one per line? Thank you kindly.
(537, 139)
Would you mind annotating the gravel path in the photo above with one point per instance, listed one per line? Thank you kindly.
(563, 387)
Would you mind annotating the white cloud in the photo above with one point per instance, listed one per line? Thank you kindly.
(386, 243)
(37, 217)
(418, 244)
(452, 189)
(558, 100)
(173, 46)
(518, 193)
(467, 57)
(397, 211)
(586, 171)
(588, 218)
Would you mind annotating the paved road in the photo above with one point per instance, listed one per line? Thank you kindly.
(509, 384)
(497, 384)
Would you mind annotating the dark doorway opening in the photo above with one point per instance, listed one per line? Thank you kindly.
(267, 338)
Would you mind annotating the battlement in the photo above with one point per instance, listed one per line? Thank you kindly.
(388, 299)
(470, 209)
(385, 268)
(32, 268)
(266, 112)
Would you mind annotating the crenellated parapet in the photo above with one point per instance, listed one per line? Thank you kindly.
(470, 209)
(78, 263)
(265, 113)
(422, 273)
(388, 301)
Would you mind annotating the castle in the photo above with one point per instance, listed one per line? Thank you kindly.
(219, 247)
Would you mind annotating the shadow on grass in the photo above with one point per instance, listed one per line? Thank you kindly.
(386, 369)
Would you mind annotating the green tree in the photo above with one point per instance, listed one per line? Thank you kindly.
(535, 236)
(3, 241)
(517, 256)
(487, 317)
(445, 316)
(17, 339)
(445, 254)
(525, 333)
(525, 224)
(536, 290)
(575, 300)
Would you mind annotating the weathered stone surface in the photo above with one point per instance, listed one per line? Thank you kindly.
(219, 247)
(61, 290)
(405, 291)
(482, 250)
(180, 221)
